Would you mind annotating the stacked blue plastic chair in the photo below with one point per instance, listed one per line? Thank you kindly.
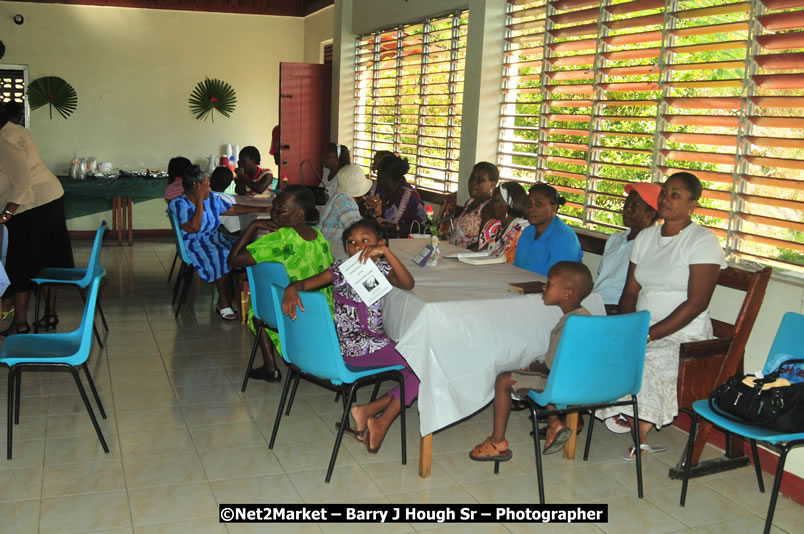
(56, 351)
(788, 341)
(79, 277)
(260, 279)
(310, 348)
(186, 269)
(599, 360)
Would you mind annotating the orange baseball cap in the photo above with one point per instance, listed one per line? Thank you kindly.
(649, 192)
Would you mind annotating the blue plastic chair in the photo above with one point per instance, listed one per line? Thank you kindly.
(186, 269)
(598, 361)
(69, 350)
(260, 279)
(79, 277)
(788, 340)
(311, 349)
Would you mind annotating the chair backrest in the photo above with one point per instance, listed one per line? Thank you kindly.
(260, 279)
(599, 359)
(87, 322)
(94, 258)
(309, 342)
(174, 223)
(753, 283)
(789, 339)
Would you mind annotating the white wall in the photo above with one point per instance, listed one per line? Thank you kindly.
(134, 69)
(318, 28)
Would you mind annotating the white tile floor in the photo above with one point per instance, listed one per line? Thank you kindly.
(183, 438)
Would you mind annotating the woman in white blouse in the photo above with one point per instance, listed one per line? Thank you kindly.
(673, 270)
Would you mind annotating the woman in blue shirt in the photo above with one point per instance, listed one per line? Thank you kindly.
(548, 240)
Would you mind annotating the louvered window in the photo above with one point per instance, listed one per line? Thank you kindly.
(409, 94)
(600, 94)
(12, 85)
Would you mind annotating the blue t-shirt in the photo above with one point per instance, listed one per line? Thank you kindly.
(557, 243)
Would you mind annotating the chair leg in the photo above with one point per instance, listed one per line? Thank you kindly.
(538, 446)
(337, 396)
(36, 309)
(173, 265)
(253, 355)
(186, 290)
(777, 482)
(293, 394)
(177, 284)
(10, 414)
(637, 449)
(688, 456)
(589, 436)
(90, 411)
(281, 408)
(103, 317)
(94, 391)
(757, 466)
(401, 417)
(17, 389)
(376, 391)
(339, 436)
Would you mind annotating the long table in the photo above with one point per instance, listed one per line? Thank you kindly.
(93, 195)
(459, 327)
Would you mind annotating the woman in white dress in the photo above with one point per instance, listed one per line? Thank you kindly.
(672, 273)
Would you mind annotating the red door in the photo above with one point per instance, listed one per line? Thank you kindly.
(304, 105)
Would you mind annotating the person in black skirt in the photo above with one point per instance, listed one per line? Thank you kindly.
(32, 201)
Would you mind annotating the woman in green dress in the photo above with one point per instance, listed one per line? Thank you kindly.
(301, 248)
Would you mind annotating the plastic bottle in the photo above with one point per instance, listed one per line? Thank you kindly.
(74, 166)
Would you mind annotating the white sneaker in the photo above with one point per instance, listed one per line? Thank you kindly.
(615, 424)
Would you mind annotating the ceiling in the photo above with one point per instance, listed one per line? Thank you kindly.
(290, 8)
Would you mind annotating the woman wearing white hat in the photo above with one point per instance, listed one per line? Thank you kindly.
(341, 209)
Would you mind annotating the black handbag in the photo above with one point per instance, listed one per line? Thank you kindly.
(778, 407)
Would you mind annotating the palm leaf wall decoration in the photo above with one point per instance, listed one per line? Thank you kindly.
(55, 93)
(212, 95)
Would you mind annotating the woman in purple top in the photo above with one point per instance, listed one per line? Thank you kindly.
(395, 202)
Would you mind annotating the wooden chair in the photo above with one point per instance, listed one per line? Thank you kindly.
(704, 365)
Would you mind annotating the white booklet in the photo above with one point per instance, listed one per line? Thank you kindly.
(462, 255)
(483, 260)
(366, 279)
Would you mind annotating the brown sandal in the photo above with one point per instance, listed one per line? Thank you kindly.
(491, 452)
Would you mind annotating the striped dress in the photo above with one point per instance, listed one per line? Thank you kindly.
(208, 248)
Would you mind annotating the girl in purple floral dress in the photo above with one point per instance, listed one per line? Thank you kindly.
(360, 330)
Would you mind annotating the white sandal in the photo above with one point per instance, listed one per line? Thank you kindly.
(227, 314)
(629, 455)
(618, 424)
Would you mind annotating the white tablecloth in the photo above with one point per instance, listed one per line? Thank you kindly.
(460, 327)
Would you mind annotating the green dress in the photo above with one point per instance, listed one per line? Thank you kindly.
(302, 259)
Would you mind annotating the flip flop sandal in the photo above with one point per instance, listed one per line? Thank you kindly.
(359, 435)
(629, 456)
(227, 314)
(558, 443)
(491, 452)
(615, 424)
(543, 430)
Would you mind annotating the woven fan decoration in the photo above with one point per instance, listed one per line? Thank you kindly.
(53, 92)
(212, 95)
